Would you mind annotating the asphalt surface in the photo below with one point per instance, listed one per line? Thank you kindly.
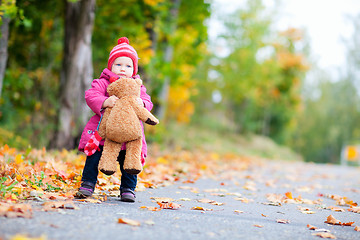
(242, 211)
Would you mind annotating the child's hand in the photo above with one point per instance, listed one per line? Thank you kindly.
(110, 102)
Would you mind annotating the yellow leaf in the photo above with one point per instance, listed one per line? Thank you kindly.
(162, 160)
(201, 208)
(16, 190)
(18, 177)
(14, 197)
(24, 237)
(18, 159)
(289, 195)
(37, 188)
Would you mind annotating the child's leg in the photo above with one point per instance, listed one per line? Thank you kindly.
(89, 175)
(91, 171)
(128, 181)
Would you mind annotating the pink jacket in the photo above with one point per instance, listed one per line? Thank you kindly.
(95, 96)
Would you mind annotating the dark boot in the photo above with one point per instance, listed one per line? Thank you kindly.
(86, 190)
(127, 195)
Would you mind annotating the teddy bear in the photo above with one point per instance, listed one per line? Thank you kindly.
(120, 124)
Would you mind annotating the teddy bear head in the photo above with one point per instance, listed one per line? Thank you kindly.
(125, 87)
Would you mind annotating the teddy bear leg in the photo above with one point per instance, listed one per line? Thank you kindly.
(108, 163)
(132, 162)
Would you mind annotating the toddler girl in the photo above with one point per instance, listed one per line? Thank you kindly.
(122, 62)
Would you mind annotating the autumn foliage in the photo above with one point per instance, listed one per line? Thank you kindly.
(56, 175)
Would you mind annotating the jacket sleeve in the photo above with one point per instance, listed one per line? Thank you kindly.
(146, 98)
(96, 95)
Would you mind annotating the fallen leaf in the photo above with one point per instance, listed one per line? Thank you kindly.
(263, 215)
(336, 209)
(90, 200)
(238, 211)
(354, 209)
(341, 201)
(317, 229)
(332, 220)
(53, 205)
(307, 212)
(311, 227)
(169, 205)
(11, 210)
(357, 228)
(201, 208)
(189, 181)
(149, 222)
(162, 199)
(243, 199)
(210, 201)
(284, 221)
(250, 185)
(274, 198)
(259, 226)
(26, 237)
(128, 221)
(347, 224)
(289, 195)
(324, 235)
(185, 199)
(154, 209)
(272, 204)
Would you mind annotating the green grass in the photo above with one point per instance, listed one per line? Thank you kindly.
(222, 140)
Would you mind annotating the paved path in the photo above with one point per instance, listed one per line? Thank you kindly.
(251, 209)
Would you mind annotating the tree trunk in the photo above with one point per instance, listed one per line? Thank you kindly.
(164, 94)
(3, 47)
(77, 72)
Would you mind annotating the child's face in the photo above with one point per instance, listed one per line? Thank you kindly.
(123, 67)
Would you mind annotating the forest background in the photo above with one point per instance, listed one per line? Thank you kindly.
(52, 50)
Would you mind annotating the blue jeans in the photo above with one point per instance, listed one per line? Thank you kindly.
(91, 170)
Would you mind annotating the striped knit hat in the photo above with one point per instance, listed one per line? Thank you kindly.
(123, 49)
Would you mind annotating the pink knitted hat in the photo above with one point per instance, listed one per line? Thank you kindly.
(123, 49)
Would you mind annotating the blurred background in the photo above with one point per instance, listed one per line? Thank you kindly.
(277, 79)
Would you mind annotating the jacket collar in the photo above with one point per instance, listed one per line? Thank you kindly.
(107, 74)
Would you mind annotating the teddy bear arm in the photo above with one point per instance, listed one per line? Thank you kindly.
(143, 114)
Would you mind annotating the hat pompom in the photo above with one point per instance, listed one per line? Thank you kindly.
(123, 40)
